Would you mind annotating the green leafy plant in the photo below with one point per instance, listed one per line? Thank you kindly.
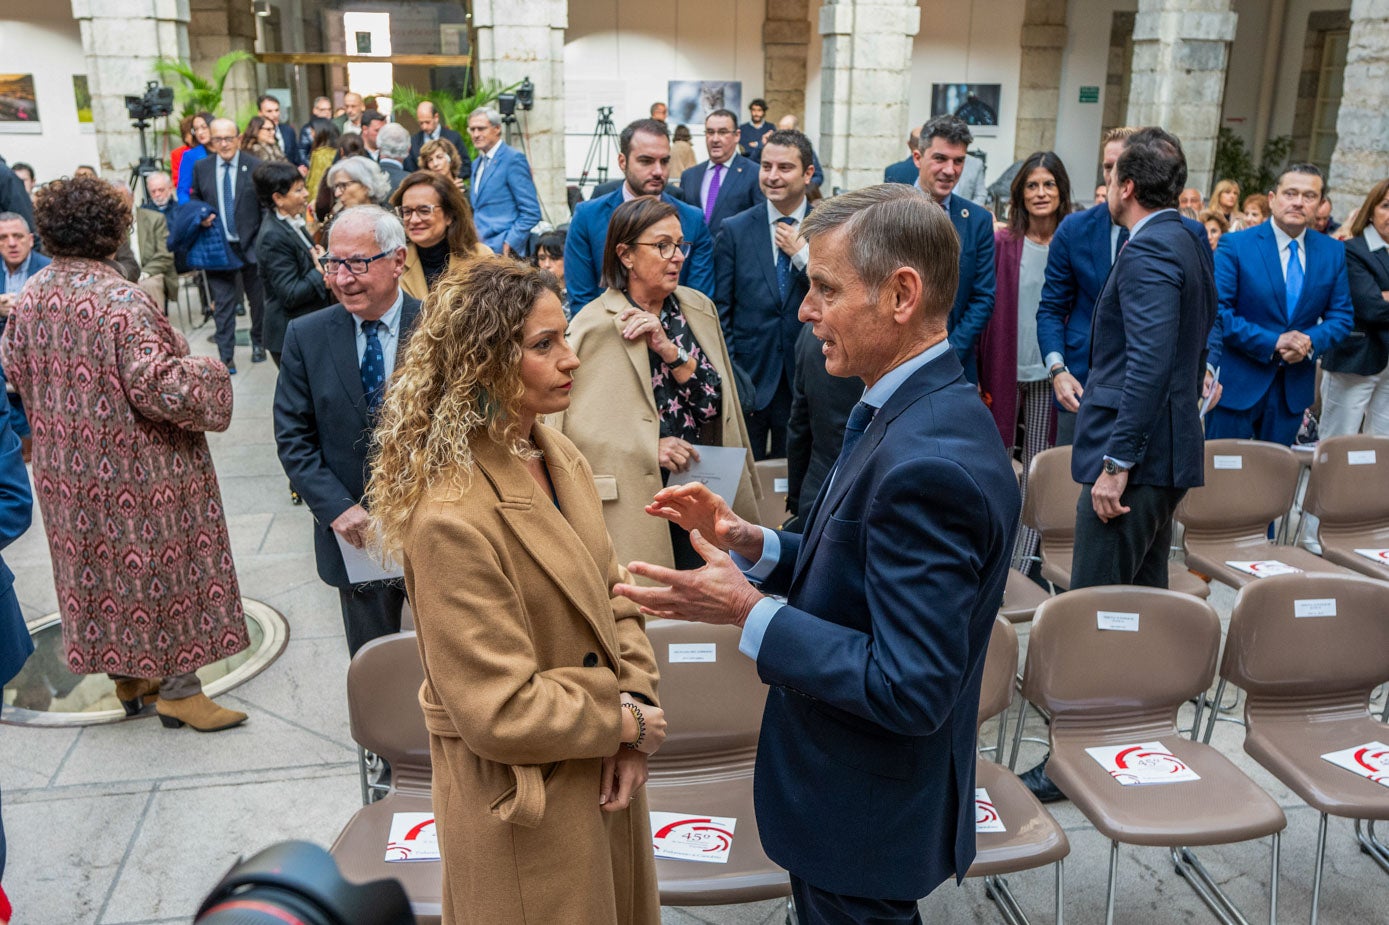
(1234, 161)
(199, 93)
(454, 108)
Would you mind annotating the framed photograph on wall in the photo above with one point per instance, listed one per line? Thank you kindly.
(689, 101)
(976, 104)
(19, 108)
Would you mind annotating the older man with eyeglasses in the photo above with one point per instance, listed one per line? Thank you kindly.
(726, 183)
(333, 373)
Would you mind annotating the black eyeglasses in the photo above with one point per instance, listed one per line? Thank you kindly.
(667, 249)
(355, 265)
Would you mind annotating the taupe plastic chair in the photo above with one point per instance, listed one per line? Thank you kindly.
(771, 509)
(714, 714)
(383, 684)
(1021, 597)
(1307, 682)
(1352, 501)
(1050, 509)
(1115, 687)
(1226, 520)
(1033, 838)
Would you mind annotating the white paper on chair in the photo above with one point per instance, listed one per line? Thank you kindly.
(1370, 761)
(692, 837)
(1380, 556)
(1263, 568)
(363, 564)
(719, 467)
(986, 817)
(412, 838)
(1143, 763)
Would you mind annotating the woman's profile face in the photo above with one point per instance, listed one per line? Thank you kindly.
(439, 163)
(425, 220)
(547, 361)
(295, 202)
(201, 132)
(1380, 218)
(350, 192)
(646, 266)
(1213, 232)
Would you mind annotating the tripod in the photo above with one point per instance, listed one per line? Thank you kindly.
(145, 166)
(597, 150)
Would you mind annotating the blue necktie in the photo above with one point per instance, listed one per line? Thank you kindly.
(228, 201)
(858, 422)
(373, 366)
(783, 262)
(1294, 283)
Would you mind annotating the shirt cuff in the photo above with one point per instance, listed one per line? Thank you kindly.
(771, 555)
(801, 258)
(1126, 466)
(755, 627)
(1053, 359)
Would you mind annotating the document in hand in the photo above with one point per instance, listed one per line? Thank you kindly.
(1144, 763)
(986, 818)
(412, 838)
(1370, 760)
(1262, 568)
(365, 564)
(692, 837)
(719, 467)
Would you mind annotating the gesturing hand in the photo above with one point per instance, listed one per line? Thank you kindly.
(694, 507)
(716, 593)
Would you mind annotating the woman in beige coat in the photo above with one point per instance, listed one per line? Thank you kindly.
(540, 684)
(657, 383)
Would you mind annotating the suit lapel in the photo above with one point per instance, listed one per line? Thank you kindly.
(1268, 250)
(636, 349)
(343, 348)
(758, 241)
(1381, 259)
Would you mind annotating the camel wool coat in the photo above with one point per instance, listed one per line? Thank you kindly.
(526, 651)
(612, 419)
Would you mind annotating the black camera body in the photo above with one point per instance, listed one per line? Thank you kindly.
(156, 102)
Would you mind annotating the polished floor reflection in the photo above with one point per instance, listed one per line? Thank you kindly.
(45, 693)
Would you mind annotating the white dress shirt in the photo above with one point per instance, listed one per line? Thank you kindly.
(800, 258)
(1280, 237)
(388, 334)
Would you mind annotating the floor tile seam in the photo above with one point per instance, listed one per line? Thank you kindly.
(129, 850)
(62, 763)
(284, 719)
(30, 795)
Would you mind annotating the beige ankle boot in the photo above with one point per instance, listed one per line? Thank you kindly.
(199, 712)
(135, 693)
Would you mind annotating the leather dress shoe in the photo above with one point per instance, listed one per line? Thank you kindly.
(135, 693)
(199, 712)
(231, 368)
(257, 354)
(1042, 787)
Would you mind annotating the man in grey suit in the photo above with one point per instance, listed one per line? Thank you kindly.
(393, 143)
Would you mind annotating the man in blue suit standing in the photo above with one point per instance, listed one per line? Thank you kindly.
(940, 156)
(1284, 298)
(505, 204)
(759, 282)
(726, 184)
(644, 158)
(16, 511)
(905, 170)
(875, 659)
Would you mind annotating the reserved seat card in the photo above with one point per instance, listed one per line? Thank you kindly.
(1380, 556)
(692, 837)
(1263, 568)
(412, 838)
(1144, 763)
(1370, 761)
(986, 818)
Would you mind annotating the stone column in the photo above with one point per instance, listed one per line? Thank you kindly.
(122, 39)
(1039, 86)
(216, 27)
(1361, 158)
(865, 85)
(518, 40)
(785, 44)
(1180, 50)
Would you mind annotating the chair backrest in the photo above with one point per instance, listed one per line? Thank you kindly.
(771, 510)
(1000, 669)
(1248, 484)
(1309, 635)
(1349, 483)
(1050, 506)
(383, 707)
(1158, 651)
(710, 691)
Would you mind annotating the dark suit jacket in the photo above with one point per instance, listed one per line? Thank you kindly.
(291, 279)
(1253, 313)
(289, 143)
(902, 172)
(246, 210)
(321, 427)
(588, 232)
(738, 190)
(1148, 360)
(974, 294)
(16, 510)
(875, 663)
(758, 324)
(417, 141)
(394, 171)
(820, 406)
(1365, 351)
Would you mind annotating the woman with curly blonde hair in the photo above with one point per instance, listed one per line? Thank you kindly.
(539, 681)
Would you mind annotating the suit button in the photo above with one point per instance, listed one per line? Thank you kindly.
(591, 660)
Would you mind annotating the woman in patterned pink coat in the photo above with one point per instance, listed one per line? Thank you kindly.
(143, 568)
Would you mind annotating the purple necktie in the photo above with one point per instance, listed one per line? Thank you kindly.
(713, 194)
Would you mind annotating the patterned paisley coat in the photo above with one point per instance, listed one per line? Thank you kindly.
(141, 559)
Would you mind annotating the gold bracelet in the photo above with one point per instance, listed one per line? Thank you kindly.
(641, 725)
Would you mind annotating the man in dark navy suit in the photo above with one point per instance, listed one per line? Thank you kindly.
(940, 156)
(289, 138)
(905, 170)
(726, 184)
(865, 766)
(432, 127)
(759, 282)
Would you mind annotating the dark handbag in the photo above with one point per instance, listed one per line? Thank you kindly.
(747, 392)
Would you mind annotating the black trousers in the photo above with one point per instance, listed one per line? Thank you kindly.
(1131, 549)
(815, 906)
(227, 287)
(1065, 427)
(371, 610)
(770, 422)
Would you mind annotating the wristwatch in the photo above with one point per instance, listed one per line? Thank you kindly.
(1056, 371)
(682, 356)
(1113, 468)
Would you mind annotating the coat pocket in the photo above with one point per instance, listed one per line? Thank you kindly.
(606, 485)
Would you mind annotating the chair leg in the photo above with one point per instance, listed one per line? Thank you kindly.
(1321, 860)
(1273, 881)
(1196, 720)
(1113, 878)
(1002, 734)
(1060, 891)
(791, 917)
(362, 774)
(1215, 711)
(1017, 735)
(1190, 868)
(1371, 845)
